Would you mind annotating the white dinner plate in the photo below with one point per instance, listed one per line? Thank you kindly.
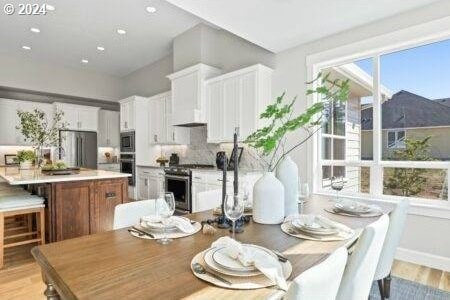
(353, 207)
(221, 258)
(214, 266)
(314, 226)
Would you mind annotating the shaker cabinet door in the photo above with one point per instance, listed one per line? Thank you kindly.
(215, 112)
(74, 202)
(109, 194)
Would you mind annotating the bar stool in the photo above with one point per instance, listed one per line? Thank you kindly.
(21, 205)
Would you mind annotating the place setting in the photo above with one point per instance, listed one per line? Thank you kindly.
(348, 207)
(163, 226)
(352, 208)
(316, 228)
(230, 264)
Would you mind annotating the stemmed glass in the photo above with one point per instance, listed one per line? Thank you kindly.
(337, 184)
(165, 211)
(234, 208)
(304, 192)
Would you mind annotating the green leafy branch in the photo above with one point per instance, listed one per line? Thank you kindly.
(271, 138)
(38, 129)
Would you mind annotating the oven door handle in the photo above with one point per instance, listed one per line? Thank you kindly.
(177, 177)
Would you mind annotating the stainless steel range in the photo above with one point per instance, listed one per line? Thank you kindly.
(178, 181)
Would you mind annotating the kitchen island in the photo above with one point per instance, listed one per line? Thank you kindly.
(75, 205)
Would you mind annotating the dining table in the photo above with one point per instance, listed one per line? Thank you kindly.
(117, 265)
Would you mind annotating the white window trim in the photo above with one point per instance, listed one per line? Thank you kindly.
(410, 37)
(398, 144)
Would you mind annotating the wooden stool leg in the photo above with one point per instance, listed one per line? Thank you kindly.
(2, 237)
(40, 225)
(30, 222)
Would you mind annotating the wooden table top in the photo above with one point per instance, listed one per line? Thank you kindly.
(115, 265)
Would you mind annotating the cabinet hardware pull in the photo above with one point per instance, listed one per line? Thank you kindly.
(173, 136)
(110, 195)
(197, 177)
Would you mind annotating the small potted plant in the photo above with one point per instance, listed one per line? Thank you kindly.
(26, 159)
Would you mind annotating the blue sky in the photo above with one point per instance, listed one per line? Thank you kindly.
(423, 70)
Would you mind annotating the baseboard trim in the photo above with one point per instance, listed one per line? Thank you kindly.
(424, 259)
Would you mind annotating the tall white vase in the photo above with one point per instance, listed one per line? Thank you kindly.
(268, 200)
(287, 173)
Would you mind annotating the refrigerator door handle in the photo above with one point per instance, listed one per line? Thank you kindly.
(81, 152)
(77, 147)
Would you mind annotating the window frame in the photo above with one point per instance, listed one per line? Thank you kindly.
(396, 139)
(373, 48)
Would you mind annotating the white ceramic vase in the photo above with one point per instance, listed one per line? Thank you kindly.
(26, 165)
(287, 173)
(268, 200)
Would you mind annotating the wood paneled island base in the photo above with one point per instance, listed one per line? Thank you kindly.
(76, 204)
(80, 208)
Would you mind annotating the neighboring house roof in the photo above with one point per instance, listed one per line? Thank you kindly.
(445, 101)
(408, 110)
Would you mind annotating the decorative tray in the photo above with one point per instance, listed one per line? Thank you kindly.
(67, 171)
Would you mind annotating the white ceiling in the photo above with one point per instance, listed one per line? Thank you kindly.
(76, 27)
(281, 24)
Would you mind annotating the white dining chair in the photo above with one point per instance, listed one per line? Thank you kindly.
(320, 282)
(129, 214)
(360, 270)
(394, 233)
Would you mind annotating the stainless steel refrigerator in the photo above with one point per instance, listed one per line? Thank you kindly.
(78, 148)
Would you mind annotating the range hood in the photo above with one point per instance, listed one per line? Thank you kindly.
(189, 95)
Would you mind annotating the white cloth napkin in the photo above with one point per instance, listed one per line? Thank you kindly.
(182, 224)
(351, 204)
(267, 264)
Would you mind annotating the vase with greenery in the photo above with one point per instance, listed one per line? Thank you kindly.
(26, 159)
(40, 130)
(270, 141)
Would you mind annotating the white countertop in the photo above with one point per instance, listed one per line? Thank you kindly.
(14, 176)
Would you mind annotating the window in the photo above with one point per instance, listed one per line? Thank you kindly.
(392, 137)
(396, 139)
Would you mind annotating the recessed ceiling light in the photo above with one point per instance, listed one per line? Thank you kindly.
(84, 61)
(151, 9)
(49, 7)
(26, 47)
(121, 31)
(35, 30)
(100, 48)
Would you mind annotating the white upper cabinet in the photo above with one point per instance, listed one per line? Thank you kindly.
(188, 94)
(215, 111)
(176, 134)
(156, 117)
(79, 117)
(161, 130)
(127, 114)
(9, 134)
(237, 99)
(108, 128)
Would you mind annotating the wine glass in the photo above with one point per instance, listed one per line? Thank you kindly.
(165, 211)
(337, 184)
(303, 192)
(234, 208)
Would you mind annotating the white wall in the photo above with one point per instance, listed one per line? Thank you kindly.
(149, 80)
(28, 74)
(217, 48)
(424, 240)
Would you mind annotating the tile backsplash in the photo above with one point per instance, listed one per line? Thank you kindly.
(200, 152)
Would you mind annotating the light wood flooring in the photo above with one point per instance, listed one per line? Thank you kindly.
(21, 276)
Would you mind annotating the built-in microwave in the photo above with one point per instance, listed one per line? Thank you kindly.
(127, 141)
